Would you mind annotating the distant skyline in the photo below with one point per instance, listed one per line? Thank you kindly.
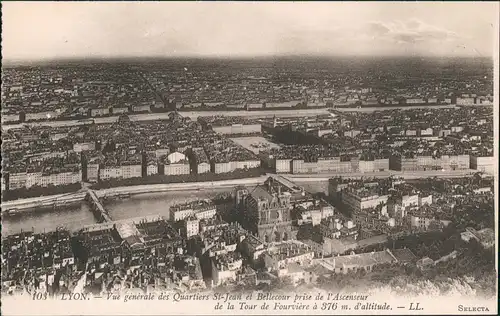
(51, 30)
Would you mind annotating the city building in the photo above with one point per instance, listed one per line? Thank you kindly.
(483, 163)
(355, 262)
(201, 209)
(99, 112)
(192, 226)
(225, 268)
(363, 198)
(265, 211)
(175, 164)
(280, 255)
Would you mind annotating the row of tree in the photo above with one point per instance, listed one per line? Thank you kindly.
(36, 191)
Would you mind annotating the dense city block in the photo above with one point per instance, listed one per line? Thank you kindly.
(388, 182)
(276, 235)
(71, 90)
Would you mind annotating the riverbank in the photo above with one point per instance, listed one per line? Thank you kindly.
(64, 199)
(268, 113)
(206, 111)
(383, 174)
(68, 198)
(19, 205)
(165, 116)
(394, 107)
(199, 186)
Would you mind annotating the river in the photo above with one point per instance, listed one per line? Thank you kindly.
(251, 114)
(154, 203)
(191, 114)
(74, 217)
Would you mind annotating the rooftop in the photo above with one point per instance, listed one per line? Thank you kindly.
(362, 260)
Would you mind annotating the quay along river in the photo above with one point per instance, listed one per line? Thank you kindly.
(250, 114)
(78, 214)
(191, 114)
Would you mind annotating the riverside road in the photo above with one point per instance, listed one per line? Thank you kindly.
(179, 187)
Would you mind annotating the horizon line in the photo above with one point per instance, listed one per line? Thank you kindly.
(228, 57)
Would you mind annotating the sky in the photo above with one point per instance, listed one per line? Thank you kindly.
(51, 30)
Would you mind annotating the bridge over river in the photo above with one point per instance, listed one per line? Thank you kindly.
(100, 212)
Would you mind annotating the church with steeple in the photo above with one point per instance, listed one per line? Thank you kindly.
(265, 211)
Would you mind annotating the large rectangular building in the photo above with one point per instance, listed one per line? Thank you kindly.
(322, 165)
(373, 165)
(282, 165)
(362, 198)
(422, 163)
(45, 115)
(483, 163)
(110, 172)
(131, 170)
(201, 209)
(44, 178)
(230, 166)
(176, 169)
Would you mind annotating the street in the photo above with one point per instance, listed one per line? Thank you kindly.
(383, 174)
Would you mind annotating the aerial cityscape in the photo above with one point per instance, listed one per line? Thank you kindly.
(274, 174)
(411, 180)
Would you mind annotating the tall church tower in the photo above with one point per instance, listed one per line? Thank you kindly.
(240, 193)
